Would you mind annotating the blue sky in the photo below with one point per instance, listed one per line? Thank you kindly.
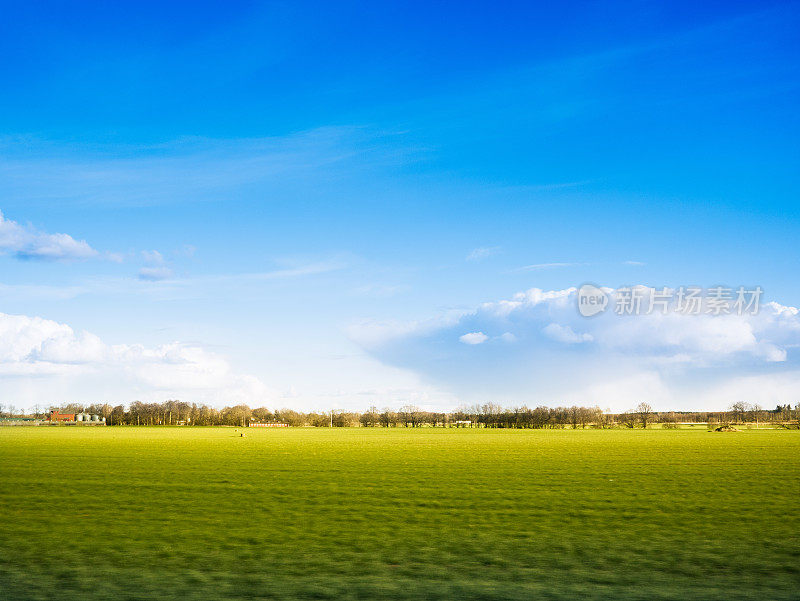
(307, 205)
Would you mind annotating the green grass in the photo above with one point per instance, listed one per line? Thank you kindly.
(182, 513)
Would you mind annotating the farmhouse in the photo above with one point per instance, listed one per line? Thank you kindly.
(61, 417)
(76, 418)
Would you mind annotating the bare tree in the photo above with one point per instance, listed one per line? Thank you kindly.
(370, 418)
(756, 408)
(645, 412)
(409, 414)
(628, 419)
(739, 409)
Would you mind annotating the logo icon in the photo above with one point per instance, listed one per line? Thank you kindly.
(591, 300)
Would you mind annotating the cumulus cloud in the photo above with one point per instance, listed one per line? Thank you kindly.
(474, 338)
(676, 359)
(80, 361)
(25, 242)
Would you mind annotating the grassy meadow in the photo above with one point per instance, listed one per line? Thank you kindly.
(202, 513)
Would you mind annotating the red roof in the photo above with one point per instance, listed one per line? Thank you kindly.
(64, 417)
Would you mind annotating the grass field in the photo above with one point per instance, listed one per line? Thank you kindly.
(183, 513)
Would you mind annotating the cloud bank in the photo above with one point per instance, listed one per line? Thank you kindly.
(50, 362)
(536, 348)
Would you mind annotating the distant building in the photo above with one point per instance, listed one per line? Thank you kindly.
(76, 418)
(89, 417)
(61, 417)
(19, 421)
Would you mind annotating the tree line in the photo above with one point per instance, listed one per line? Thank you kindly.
(487, 415)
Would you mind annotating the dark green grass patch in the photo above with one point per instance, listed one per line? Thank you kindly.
(183, 513)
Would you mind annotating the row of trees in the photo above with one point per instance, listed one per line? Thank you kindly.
(488, 415)
(738, 413)
(746, 412)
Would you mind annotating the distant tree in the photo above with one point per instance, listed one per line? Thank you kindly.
(436, 419)
(263, 415)
(645, 412)
(290, 416)
(669, 420)
(370, 418)
(389, 418)
(756, 413)
(629, 419)
(739, 409)
(72, 408)
(490, 415)
(574, 416)
(344, 419)
(602, 419)
(236, 416)
(117, 417)
(318, 420)
(409, 415)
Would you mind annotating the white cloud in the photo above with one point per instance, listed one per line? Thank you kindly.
(544, 266)
(474, 338)
(373, 334)
(482, 252)
(155, 268)
(707, 338)
(676, 360)
(25, 242)
(155, 274)
(114, 257)
(565, 334)
(76, 362)
(153, 257)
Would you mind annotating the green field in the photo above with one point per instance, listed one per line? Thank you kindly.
(201, 513)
